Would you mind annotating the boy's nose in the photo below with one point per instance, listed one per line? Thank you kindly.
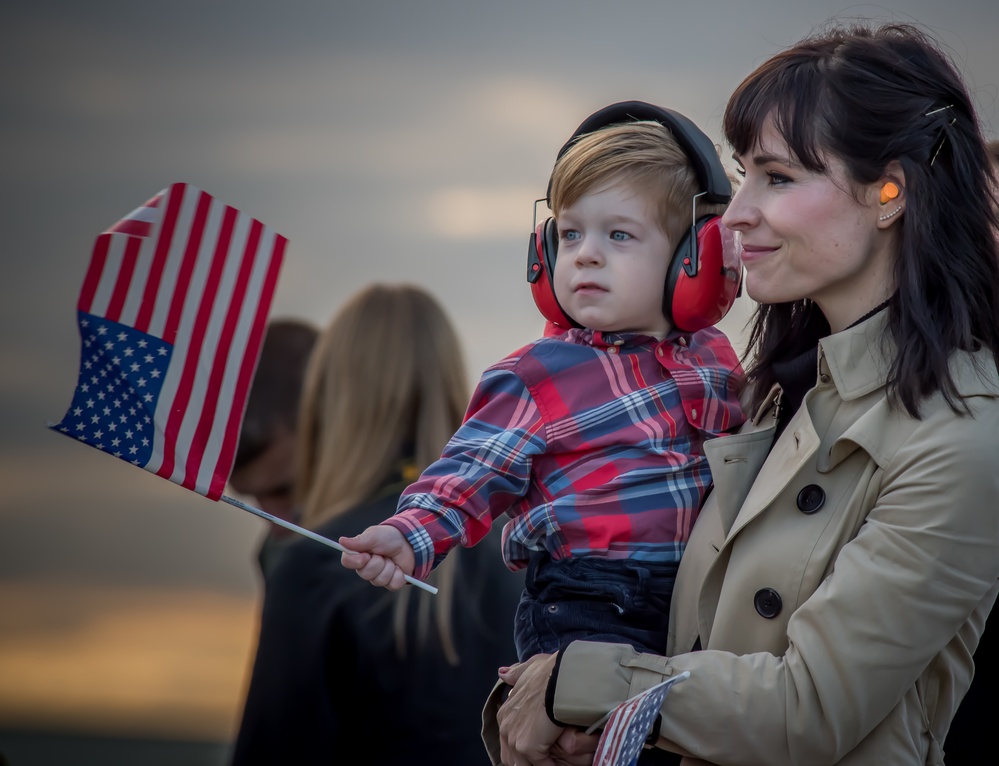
(588, 253)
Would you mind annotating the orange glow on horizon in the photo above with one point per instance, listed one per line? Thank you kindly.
(124, 661)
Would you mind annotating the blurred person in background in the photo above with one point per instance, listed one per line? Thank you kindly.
(342, 667)
(264, 467)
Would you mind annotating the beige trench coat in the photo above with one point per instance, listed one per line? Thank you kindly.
(838, 583)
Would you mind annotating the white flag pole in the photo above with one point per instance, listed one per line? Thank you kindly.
(311, 535)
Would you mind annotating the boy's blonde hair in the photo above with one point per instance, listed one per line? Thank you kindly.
(643, 156)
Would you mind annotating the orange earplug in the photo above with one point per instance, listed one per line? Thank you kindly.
(888, 192)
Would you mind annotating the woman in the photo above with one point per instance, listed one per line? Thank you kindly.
(342, 667)
(840, 573)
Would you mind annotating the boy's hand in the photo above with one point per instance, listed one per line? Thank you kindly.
(382, 556)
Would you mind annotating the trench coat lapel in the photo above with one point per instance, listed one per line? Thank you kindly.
(735, 461)
(797, 445)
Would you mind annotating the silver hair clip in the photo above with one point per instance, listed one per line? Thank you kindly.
(943, 137)
(941, 109)
(943, 140)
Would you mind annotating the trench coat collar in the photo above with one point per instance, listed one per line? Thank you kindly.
(858, 358)
(856, 362)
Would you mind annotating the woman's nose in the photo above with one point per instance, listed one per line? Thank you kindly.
(741, 213)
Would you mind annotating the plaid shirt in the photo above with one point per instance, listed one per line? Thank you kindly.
(591, 442)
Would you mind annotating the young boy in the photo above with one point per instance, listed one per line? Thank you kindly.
(590, 440)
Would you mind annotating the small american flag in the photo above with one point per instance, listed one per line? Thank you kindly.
(171, 318)
(628, 725)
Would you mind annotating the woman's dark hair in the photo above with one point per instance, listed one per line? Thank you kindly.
(870, 95)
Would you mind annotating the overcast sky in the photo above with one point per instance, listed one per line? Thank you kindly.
(393, 141)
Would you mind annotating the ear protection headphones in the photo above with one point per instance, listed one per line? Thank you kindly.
(700, 288)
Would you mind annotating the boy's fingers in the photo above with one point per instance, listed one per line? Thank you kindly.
(355, 561)
(386, 576)
(398, 580)
(361, 542)
(375, 539)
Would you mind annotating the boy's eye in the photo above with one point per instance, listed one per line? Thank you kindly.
(569, 234)
(620, 236)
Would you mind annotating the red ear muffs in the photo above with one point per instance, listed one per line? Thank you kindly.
(700, 285)
(541, 252)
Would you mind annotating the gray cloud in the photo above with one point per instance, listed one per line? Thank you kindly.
(339, 124)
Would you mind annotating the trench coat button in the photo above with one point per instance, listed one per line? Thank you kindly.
(768, 603)
(811, 498)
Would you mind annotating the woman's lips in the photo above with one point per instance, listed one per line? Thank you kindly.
(751, 253)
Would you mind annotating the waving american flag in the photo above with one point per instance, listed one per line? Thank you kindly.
(171, 317)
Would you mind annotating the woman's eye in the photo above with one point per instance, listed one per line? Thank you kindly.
(740, 171)
(776, 179)
(620, 236)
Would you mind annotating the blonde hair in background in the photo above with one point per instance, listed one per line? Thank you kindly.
(643, 156)
(386, 381)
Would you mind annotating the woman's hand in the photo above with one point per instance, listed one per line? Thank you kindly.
(526, 732)
(575, 747)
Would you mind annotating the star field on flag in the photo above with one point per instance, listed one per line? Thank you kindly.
(122, 378)
(629, 724)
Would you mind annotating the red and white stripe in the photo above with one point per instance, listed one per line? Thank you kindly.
(199, 274)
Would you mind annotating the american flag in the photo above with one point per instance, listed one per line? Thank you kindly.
(171, 317)
(629, 725)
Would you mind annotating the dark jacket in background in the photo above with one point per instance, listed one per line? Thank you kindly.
(970, 735)
(327, 684)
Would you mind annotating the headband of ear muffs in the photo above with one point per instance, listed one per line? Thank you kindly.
(699, 288)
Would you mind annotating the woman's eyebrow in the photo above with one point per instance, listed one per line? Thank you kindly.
(763, 159)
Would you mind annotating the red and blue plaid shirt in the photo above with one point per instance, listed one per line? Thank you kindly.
(591, 442)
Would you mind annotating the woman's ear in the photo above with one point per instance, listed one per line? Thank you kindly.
(891, 194)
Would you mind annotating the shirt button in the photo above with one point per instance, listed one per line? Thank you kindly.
(612, 350)
(824, 378)
(682, 341)
(659, 351)
(768, 603)
(693, 412)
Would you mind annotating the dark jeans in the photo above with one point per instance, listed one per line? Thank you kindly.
(615, 600)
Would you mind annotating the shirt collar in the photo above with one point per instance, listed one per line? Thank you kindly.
(599, 339)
